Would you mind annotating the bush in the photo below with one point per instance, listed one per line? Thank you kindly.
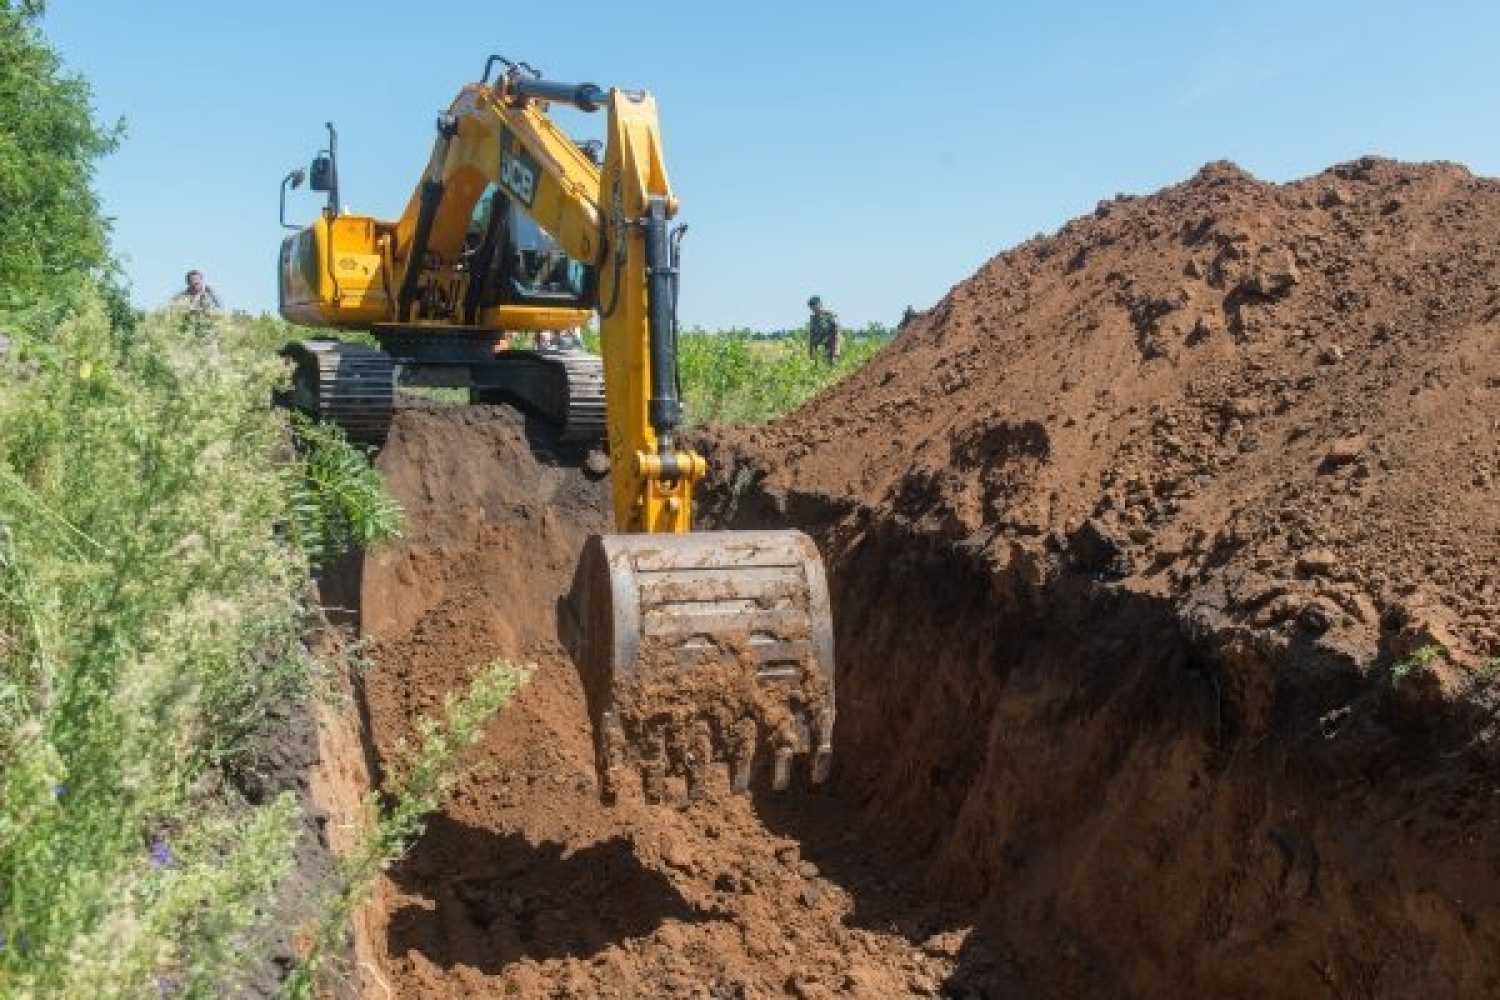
(54, 230)
(148, 614)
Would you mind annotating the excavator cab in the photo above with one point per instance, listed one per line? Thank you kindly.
(540, 269)
(527, 265)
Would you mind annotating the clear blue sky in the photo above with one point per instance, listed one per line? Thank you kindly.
(876, 153)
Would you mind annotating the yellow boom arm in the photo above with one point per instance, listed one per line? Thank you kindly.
(615, 219)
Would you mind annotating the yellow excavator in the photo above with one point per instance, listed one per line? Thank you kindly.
(696, 649)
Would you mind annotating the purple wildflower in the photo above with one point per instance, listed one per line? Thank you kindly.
(161, 853)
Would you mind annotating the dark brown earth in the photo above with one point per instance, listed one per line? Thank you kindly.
(526, 885)
(1164, 557)
(1164, 565)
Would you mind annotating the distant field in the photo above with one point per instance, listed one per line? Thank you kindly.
(735, 376)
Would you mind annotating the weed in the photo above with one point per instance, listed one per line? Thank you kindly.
(1416, 665)
(424, 774)
(338, 501)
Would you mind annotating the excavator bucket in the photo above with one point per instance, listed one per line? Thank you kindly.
(701, 649)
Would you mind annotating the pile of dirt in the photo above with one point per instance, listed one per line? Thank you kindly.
(525, 885)
(1163, 559)
(1164, 564)
(1292, 391)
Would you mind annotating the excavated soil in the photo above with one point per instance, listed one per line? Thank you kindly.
(1164, 556)
(1163, 561)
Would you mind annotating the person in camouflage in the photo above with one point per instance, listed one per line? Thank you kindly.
(197, 295)
(823, 333)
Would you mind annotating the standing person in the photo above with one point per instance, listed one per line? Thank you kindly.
(198, 295)
(823, 332)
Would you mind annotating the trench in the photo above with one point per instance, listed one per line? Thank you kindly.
(1045, 785)
(1120, 796)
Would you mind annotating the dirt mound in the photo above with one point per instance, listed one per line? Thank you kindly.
(1164, 565)
(1292, 391)
(525, 885)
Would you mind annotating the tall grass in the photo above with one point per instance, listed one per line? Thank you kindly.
(737, 376)
(734, 377)
(147, 615)
(156, 524)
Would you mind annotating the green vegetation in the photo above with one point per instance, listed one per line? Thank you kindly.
(436, 394)
(1417, 664)
(734, 377)
(156, 527)
(338, 500)
(739, 376)
(147, 618)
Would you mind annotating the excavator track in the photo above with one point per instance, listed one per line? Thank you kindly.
(564, 388)
(703, 649)
(354, 385)
(350, 385)
(584, 420)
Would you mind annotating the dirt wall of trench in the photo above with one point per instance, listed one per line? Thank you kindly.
(1118, 798)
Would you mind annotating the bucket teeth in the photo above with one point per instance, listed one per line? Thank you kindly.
(742, 755)
(609, 757)
(700, 753)
(820, 760)
(653, 768)
(781, 780)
